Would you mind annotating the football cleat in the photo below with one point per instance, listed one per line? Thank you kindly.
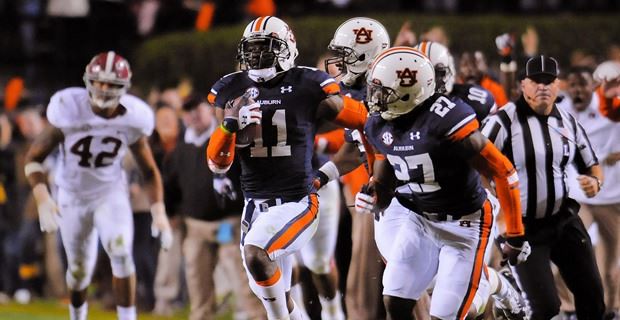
(512, 306)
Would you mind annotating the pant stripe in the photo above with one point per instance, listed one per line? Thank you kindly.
(295, 227)
(486, 221)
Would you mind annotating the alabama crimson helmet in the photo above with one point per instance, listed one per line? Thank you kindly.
(442, 61)
(267, 42)
(113, 69)
(400, 79)
(356, 43)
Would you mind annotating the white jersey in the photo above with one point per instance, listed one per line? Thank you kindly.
(93, 148)
(602, 134)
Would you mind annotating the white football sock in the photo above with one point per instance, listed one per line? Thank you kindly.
(79, 313)
(271, 293)
(126, 313)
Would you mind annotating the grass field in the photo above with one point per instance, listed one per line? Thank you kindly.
(55, 310)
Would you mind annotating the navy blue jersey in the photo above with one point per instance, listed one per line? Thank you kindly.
(356, 91)
(434, 177)
(278, 163)
(476, 97)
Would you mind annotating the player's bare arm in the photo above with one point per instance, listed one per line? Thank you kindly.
(383, 182)
(41, 147)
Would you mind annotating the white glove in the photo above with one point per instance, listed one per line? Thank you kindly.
(224, 186)
(249, 114)
(505, 42)
(47, 208)
(364, 203)
(161, 225)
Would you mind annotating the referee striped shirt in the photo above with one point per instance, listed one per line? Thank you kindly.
(540, 147)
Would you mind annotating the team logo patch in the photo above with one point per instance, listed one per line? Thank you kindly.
(252, 92)
(363, 35)
(407, 77)
(387, 138)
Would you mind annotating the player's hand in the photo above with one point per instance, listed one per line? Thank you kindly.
(223, 186)
(589, 185)
(47, 208)
(241, 112)
(365, 201)
(611, 88)
(505, 43)
(161, 226)
(516, 250)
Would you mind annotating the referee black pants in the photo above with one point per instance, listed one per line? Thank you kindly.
(564, 241)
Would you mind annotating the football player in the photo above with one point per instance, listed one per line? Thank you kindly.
(94, 127)
(428, 148)
(288, 102)
(507, 299)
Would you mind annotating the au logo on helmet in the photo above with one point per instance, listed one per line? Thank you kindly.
(407, 77)
(363, 35)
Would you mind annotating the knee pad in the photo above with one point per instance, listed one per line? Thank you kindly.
(122, 266)
(77, 277)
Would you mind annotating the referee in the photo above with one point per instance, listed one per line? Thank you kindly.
(541, 141)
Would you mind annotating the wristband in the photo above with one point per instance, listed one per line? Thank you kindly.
(32, 167)
(330, 171)
(231, 125)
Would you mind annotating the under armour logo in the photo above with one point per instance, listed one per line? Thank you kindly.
(270, 299)
(224, 154)
(407, 77)
(415, 136)
(362, 35)
(286, 89)
(465, 223)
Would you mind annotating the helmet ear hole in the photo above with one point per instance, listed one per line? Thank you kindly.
(405, 97)
(362, 57)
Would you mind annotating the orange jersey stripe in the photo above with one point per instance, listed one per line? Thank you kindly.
(295, 227)
(332, 88)
(485, 231)
(464, 131)
(272, 280)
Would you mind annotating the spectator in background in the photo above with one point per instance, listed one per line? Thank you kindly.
(211, 205)
(582, 102)
(167, 285)
(470, 72)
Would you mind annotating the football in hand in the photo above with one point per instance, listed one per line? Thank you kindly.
(246, 135)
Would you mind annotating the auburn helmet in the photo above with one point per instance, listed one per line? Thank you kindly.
(267, 43)
(356, 43)
(442, 61)
(400, 79)
(109, 68)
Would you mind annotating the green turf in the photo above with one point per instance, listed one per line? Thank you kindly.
(55, 310)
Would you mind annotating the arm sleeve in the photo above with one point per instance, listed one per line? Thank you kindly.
(494, 165)
(221, 150)
(585, 157)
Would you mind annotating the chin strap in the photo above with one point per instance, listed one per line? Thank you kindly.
(262, 75)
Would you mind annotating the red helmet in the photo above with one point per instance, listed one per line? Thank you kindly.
(110, 68)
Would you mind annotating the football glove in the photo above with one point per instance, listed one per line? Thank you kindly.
(223, 186)
(516, 250)
(161, 226)
(364, 201)
(46, 207)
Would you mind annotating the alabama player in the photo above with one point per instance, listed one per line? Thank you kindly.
(94, 127)
(430, 147)
(280, 214)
